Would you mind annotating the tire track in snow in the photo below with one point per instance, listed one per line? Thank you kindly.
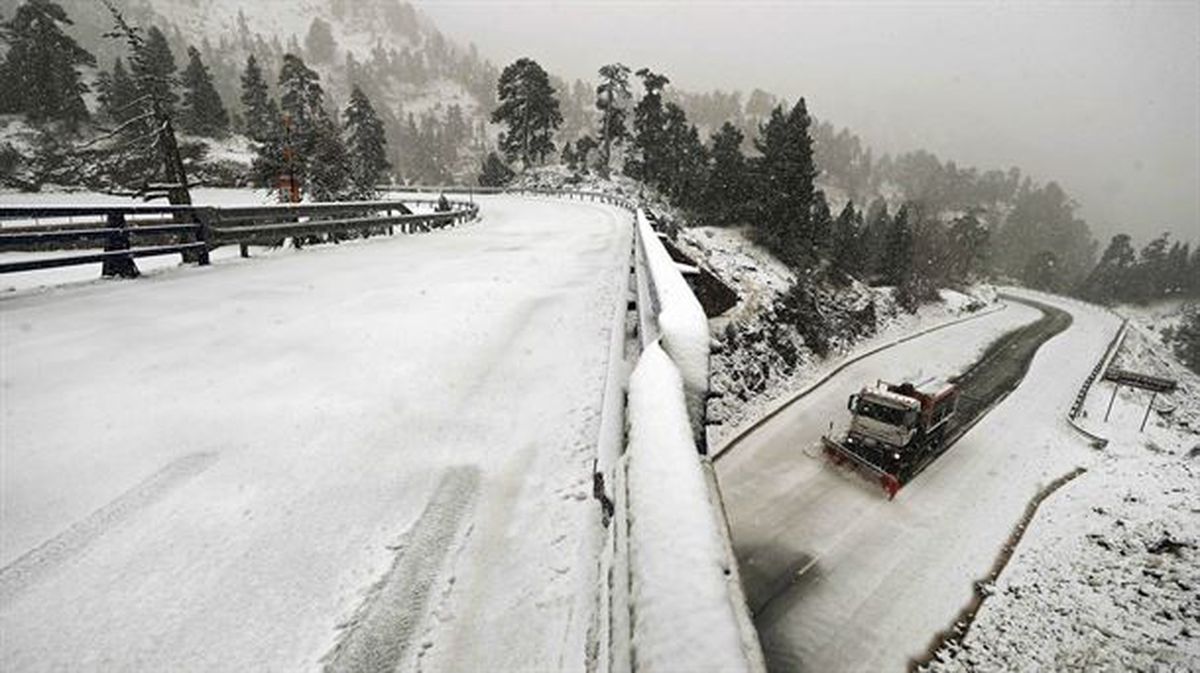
(36, 564)
(381, 634)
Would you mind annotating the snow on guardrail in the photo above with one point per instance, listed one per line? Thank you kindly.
(684, 617)
(686, 600)
(679, 319)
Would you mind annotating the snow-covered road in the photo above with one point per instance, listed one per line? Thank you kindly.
(877, 580)
(355, 456)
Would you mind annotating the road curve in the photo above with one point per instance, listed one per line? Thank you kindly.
(841, 578)
(330, 392)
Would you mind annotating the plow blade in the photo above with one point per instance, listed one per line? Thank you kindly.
(843, 454)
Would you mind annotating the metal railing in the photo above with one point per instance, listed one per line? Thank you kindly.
(129, 232)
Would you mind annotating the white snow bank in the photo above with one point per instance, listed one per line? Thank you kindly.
(1105, 579)
(683, 619)
(681, 321)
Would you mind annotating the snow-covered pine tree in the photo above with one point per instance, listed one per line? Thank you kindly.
(785, 175)
(329, 163)
(288, 152)
(367, 145)
(301, 97)
(529, 109)
(611, 96)
(898, 249)
(685, 165)
(649, 127)
(154, 68)
(41, 66)
(878, 222)
(202, 112)
(1110, 278)
(725, 194)
(260, 112)
(847, 241)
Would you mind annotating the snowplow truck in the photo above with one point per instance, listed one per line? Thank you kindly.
(895, 431)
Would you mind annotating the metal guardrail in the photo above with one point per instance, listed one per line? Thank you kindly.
(194, 231)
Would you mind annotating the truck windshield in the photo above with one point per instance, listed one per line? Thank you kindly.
(882, 413)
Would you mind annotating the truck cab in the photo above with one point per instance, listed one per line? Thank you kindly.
(881, 417)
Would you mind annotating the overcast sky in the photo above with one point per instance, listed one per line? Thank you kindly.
(1102, 96)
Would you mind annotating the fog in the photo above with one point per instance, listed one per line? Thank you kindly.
(1102, 97)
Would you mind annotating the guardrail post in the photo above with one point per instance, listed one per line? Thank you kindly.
(121, 266)
(204, 219)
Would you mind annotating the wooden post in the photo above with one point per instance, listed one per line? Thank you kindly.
(122, 266)
(1148, 406)
(1116, 387)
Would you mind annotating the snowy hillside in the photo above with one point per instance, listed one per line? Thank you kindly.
(433, 96)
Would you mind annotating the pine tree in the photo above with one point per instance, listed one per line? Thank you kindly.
(726, 194)
(1043, 219)
(1177, 269)
(785, 175)
(367, 145)
(41, 67)
(1153, 270)
(968, 246)
(494, 172)
(649, 127)
(898, 249)
(684, 169)
(261, 113)
(878, 222)
(328, 165)
(154, 69)
(301, 97)
(1111, 279)
(288, 157)
(529, 109)
(202, 113)
(611, 96)
(847, 241)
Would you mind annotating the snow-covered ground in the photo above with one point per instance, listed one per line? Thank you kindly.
(868, 583)
(1108, 575)
(385, 445)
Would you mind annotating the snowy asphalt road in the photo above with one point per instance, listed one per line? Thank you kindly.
(355, 456)
(878, 579)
